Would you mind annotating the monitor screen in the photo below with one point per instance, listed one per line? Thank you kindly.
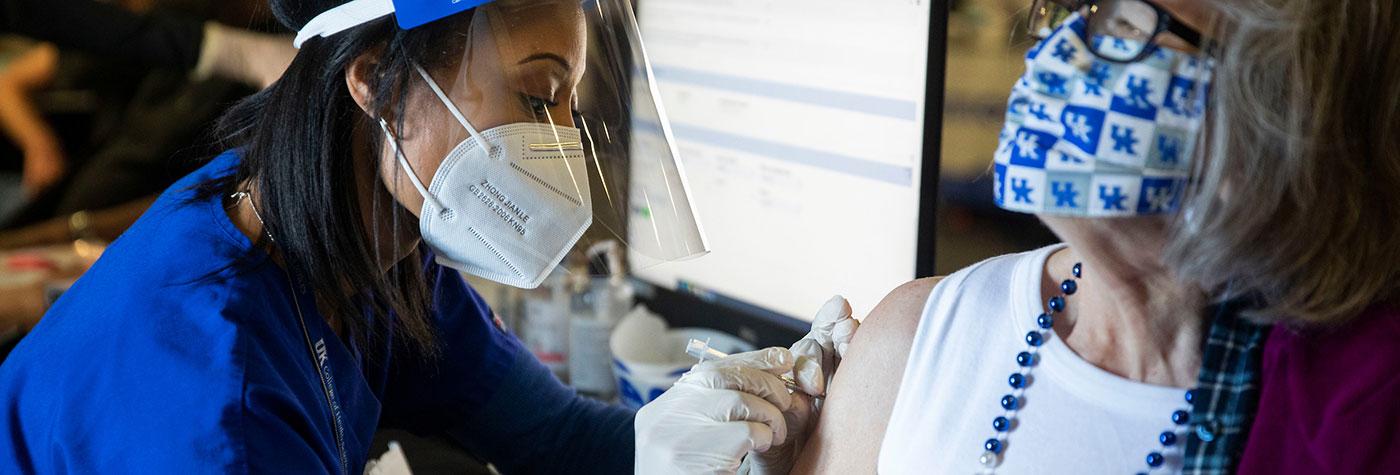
(801, 129)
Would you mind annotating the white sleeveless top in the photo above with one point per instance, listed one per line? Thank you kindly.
(1075, 418)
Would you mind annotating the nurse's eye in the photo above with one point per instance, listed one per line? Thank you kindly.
(537, 105)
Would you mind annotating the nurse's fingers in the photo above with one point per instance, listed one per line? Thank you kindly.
(743, 379)
(799, 423)
(757, 436)
(773, 360)
(841, 334)
(835, 310)
(760, 414)
(728, 407)
(809, 373)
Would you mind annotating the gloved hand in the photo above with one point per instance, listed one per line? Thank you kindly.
(716, 413)
(819, 354)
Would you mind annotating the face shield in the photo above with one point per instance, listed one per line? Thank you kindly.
(561, 142)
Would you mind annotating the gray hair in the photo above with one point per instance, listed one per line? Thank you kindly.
(1297, 195)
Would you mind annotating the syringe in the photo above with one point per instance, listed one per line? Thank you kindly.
(702, 350)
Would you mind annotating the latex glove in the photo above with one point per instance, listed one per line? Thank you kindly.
(819, 354)
(826, 343)
(716, 413)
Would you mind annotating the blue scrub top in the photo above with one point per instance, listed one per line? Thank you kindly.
(180, 352)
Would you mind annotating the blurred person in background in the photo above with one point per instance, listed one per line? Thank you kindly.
(43, 161)
(144, 32)
(149, 123)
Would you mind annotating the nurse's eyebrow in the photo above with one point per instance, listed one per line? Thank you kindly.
(548, 57)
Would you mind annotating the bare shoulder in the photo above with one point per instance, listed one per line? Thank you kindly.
(862, 392)
(902, 303)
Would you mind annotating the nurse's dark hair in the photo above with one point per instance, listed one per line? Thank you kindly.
(296, 139)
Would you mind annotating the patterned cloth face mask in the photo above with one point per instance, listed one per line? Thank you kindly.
(1092, 138)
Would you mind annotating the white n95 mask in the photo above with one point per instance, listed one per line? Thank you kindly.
(1089, 137)
(506, 204)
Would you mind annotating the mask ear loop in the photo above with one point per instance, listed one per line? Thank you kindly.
(446, 102)
(403, 162)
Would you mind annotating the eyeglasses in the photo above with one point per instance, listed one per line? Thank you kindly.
(1118, 30)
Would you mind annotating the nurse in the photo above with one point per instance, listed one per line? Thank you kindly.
(275, 308)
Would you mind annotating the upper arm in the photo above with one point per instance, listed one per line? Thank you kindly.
(862, 393)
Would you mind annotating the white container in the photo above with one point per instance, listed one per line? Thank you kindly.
(648, 358)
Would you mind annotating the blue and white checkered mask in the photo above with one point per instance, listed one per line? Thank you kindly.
(1091, 138)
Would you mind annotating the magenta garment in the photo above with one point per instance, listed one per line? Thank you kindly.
(1330, 402)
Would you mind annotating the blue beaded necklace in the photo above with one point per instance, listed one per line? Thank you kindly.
(994, 447)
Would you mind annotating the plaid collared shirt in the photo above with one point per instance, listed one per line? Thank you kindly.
(1227, 393)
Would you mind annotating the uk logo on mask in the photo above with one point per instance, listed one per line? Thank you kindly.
(1088, 137)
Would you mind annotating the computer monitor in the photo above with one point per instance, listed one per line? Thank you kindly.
(810, 135)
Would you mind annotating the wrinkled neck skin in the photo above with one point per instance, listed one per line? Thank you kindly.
(1131, 316)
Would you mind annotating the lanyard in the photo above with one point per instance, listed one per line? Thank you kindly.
(320, 361)
(317, 352)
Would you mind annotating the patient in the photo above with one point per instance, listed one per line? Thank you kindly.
(1075, 358)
